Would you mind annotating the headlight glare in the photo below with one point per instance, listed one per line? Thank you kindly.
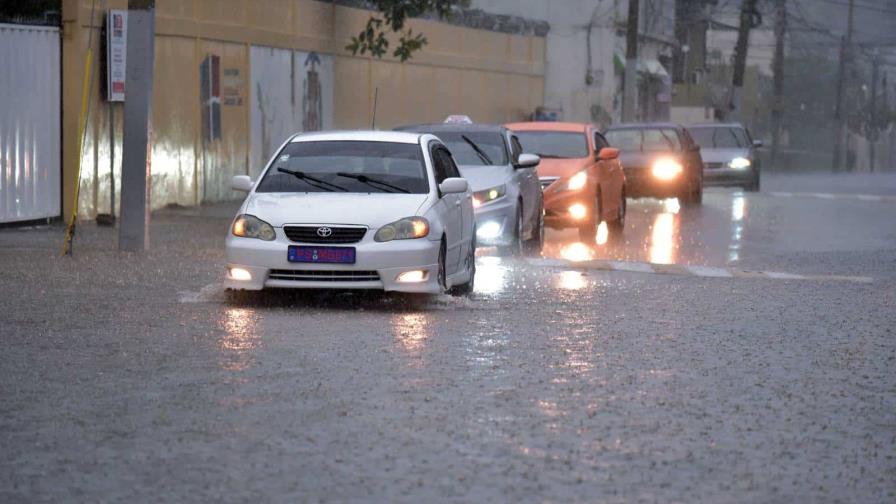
(577, 181)
(739, 163)
(488, 195)
(666, 169)
(404, 229)
(250, 226)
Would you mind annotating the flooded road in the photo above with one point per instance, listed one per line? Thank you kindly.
(556, 381)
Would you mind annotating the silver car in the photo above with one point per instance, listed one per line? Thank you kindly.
(729, 155)
(507, 198)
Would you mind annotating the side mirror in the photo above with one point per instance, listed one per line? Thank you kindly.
(527, 161)
(757, 143)
(242, 183)
(454, 185)
(608, 153)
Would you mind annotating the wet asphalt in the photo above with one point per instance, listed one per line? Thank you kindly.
(128, 378)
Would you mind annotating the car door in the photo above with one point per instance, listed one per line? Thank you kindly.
(449, 209)
(691, 154)
(530, 188)
(611, 178)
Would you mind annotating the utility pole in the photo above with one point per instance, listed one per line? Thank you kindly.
(842, 87)
(630, 89)
(778, 105)
(133, 232)
(747, 11)
(873, 130)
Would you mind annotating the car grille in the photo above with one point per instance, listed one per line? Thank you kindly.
(324, 276)
(713, 166)
(309, 234)
(546, 181)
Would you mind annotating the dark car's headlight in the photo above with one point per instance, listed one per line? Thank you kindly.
(403, 229)
(250, 226)
(666, 169)
(488, 195)
(739, 163)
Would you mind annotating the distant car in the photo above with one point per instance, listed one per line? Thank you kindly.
(355, 210)
(660, 160)
(507, 198)
(580, 174)
(729, 155)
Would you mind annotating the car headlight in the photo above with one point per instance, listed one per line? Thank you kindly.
(403, 229)
(250, 226)
(739, 163)
(488, 195)
(577, 181)
(666, 169)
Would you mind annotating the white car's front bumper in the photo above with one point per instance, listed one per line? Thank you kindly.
(377, 265)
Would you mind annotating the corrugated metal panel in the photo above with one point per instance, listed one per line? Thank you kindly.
(29, 123)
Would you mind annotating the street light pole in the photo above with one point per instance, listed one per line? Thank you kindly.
(629, 98)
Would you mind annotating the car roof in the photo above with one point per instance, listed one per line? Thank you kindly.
(717, 125)
(439, 127)
(548, 126)
(644, 125)
(359, 136)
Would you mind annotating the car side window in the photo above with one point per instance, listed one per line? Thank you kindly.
(687, 142)
(516, 148)
(450, 166)
(439, 165)
(599, 142)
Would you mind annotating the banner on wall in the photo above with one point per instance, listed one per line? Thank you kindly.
(116, 54)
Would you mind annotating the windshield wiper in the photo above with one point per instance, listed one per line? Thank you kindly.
(479, 152)
(313, 181)
(364, 179)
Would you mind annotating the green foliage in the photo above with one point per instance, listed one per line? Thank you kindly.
(392, 16)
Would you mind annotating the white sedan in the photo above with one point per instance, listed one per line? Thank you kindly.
(355, 210)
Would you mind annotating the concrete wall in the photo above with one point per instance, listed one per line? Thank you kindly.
(260, 49)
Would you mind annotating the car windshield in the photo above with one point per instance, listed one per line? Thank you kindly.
(347, 166)
(554, 144)
(719, 138)
(643, 139)
(491, 144)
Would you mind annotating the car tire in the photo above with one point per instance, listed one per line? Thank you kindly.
(588, 231)
(618, 225)
(442, 274)
(516, 246)
(466, 289)
(754, 185)
(535, 244)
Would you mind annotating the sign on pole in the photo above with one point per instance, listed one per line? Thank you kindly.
(116, 56)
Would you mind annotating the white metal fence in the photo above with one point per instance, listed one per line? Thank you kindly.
(30, 164)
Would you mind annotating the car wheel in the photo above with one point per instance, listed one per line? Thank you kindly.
(516, 245)
(618, 225)
(588, 231)
(754, 185)
(466, 289)
(442, 275)
(535, 244)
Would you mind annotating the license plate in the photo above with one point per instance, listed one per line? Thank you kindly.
(331, 255)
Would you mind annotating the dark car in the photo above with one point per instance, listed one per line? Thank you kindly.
(660, 160)
(729, 154)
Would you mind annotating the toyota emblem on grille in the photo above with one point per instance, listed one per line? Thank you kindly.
(324, 232)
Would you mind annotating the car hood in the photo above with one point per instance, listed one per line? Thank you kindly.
(643, 159)
(566, 167)
(373, 210)
(485, 177)
(722, 155)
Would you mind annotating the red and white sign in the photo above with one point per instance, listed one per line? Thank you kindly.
(116, 54)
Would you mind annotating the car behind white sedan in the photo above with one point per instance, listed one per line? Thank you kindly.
(355, 210)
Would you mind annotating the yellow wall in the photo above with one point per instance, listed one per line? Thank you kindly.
(494, 77)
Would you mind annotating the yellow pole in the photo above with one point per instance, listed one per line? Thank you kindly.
(82, 125)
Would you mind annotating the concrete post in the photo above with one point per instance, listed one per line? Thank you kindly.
(630, 87)
(133, 232)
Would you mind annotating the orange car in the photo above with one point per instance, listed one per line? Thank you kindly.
(580, 174)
